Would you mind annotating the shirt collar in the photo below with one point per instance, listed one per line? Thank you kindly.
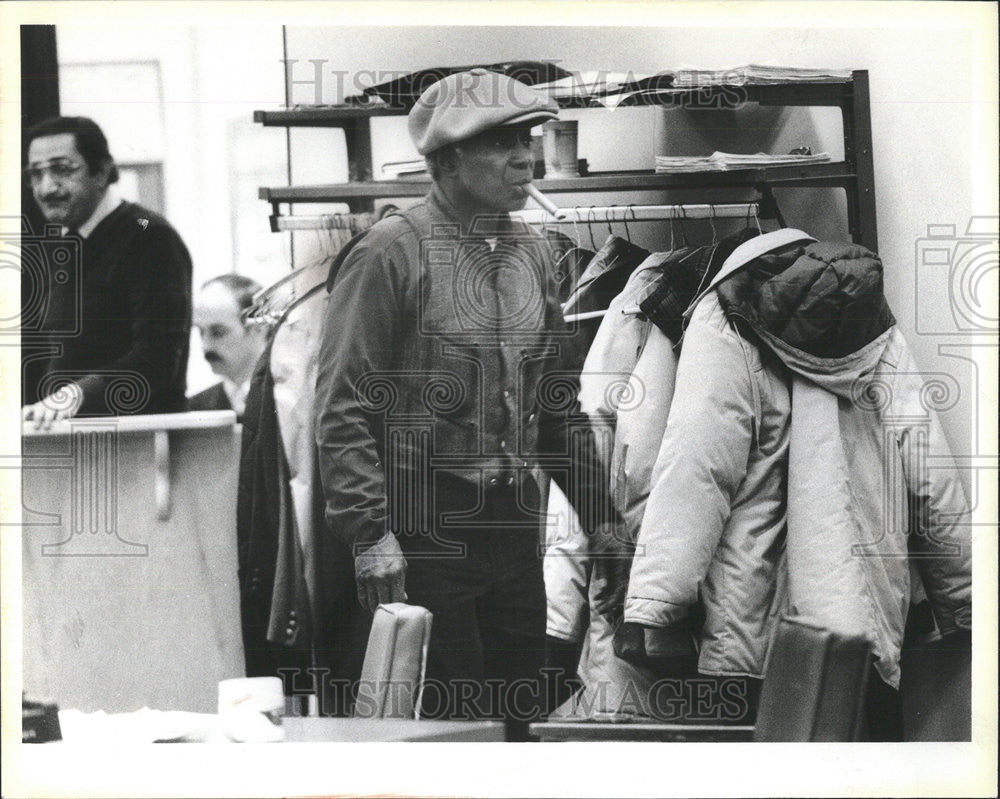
(484, 227)
(109, 202)
(237, 394)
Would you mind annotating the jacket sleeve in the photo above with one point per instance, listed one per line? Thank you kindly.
(157, 288)
(699, 468)
(566, 569)
(568, 443)
(360, 326)
(940, 537)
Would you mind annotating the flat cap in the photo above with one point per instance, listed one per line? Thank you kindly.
(462, 105)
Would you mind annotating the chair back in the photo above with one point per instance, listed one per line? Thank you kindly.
(814, 684)
(392, 675)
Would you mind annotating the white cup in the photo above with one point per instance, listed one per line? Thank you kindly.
(250, 708)
(263, 694)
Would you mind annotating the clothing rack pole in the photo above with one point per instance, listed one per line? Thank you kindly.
(322, 222)
(580, 214)
(638, 213)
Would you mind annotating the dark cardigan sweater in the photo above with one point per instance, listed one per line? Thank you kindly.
(119, 319)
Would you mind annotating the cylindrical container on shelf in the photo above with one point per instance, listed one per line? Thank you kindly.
(560, 144)
(538, 153)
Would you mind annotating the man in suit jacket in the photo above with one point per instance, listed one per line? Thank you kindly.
(232, 347)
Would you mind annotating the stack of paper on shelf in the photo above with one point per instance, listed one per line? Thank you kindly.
(397, 169)
(758, 74)
(722, 161)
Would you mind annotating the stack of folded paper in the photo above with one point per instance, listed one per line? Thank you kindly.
(721, 161)
(396, 169)
(759, 74)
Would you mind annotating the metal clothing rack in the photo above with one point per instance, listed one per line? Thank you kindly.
(353, 221)
(639, 213)
(570, 215)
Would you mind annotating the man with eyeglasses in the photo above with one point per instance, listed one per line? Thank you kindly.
(439, 394)
(119, 317)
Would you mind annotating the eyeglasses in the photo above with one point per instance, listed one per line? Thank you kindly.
(58, 171)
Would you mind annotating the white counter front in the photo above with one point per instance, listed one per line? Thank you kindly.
(129, 578)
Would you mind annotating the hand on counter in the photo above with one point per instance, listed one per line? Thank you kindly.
(64, 403)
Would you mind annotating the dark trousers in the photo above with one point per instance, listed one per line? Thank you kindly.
(883, 712)
(481, 576)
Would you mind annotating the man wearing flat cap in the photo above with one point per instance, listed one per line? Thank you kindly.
(440, 397)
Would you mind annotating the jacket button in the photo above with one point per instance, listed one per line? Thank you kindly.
(289, 632)
(510, 481)
(493, 481)
(531, 417)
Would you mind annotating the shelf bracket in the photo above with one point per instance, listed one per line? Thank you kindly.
(769, 205)
(161, 465)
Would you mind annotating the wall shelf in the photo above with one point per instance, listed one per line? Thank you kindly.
(855, 174)
(835, 174)
(824, 93)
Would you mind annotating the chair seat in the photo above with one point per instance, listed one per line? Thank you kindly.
(814, 689)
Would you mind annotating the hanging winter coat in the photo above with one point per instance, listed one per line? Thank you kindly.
(628, 372)
(626, 389)
(796, 437)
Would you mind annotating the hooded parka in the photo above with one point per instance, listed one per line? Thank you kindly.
(801, 449)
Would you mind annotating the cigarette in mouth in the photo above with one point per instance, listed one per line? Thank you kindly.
(544, 201)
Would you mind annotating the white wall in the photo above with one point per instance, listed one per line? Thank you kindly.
(933, 119)
(199, 123)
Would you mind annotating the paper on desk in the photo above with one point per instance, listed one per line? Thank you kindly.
(150, 726)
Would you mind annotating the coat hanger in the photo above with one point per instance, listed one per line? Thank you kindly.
(628, 233)
(591, 217)
(756, 218)
(576, 229)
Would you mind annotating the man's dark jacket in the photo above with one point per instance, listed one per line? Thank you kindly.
(118, 317)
